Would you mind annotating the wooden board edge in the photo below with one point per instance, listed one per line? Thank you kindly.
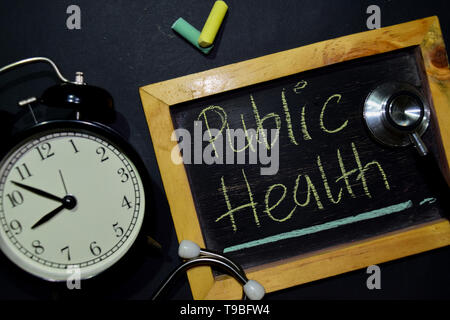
(176, 186)
(284, 63)
(438, 74)
(342, 259)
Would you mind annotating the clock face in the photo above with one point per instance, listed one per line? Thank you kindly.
(69, 198)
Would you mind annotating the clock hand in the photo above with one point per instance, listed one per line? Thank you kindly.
(68, 202)
(48, 216)
(38, 192)
(62, 179)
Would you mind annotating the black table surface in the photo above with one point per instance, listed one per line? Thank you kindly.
(123, 45)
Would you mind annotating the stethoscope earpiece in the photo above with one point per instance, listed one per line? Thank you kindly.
(397, 115)
(196, 256)
(188, 249)
(254, 290)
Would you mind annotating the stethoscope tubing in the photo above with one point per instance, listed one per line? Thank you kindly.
(216, 260)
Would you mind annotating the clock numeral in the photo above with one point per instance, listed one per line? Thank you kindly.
(38, 248)
(23, 171)
(121, 172)
(74, 146)
(44, 151)
(102, 152)
(15, 197)
(126, 203)
(68, 252)
(118, 230)
(15, 226)
(95, 249)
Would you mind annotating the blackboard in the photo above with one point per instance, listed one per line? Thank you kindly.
(337, 201)
(334, 184)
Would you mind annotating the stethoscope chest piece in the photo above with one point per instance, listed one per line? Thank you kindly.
(397, 115)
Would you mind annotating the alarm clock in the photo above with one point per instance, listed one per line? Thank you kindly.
(73, 193)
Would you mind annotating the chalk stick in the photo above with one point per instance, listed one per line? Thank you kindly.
(212, 24)
(190, 33)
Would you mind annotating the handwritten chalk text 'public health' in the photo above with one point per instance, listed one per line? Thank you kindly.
(305, 192)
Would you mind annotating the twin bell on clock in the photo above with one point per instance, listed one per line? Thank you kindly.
(73, 193)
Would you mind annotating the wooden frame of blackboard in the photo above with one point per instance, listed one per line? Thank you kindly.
(159, 97)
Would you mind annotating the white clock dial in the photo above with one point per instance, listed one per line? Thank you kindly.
(68, 198)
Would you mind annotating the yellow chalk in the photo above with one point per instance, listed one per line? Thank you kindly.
(212, 24)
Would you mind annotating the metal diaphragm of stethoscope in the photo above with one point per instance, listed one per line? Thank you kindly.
(195, 256)
(397, 115)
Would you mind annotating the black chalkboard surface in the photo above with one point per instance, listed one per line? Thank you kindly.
(332, 184)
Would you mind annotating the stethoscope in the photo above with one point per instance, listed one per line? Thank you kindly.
(195, 256)
(397, 115)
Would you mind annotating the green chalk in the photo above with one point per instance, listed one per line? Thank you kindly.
(191, 34)
(325, 226)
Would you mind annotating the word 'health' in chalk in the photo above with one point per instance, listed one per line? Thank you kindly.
(190, 33)
(212, 24)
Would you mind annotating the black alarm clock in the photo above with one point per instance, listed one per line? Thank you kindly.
(73, 193)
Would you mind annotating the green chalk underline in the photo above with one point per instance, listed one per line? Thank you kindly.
(321, 227)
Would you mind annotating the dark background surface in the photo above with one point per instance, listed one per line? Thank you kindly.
(123, 45)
